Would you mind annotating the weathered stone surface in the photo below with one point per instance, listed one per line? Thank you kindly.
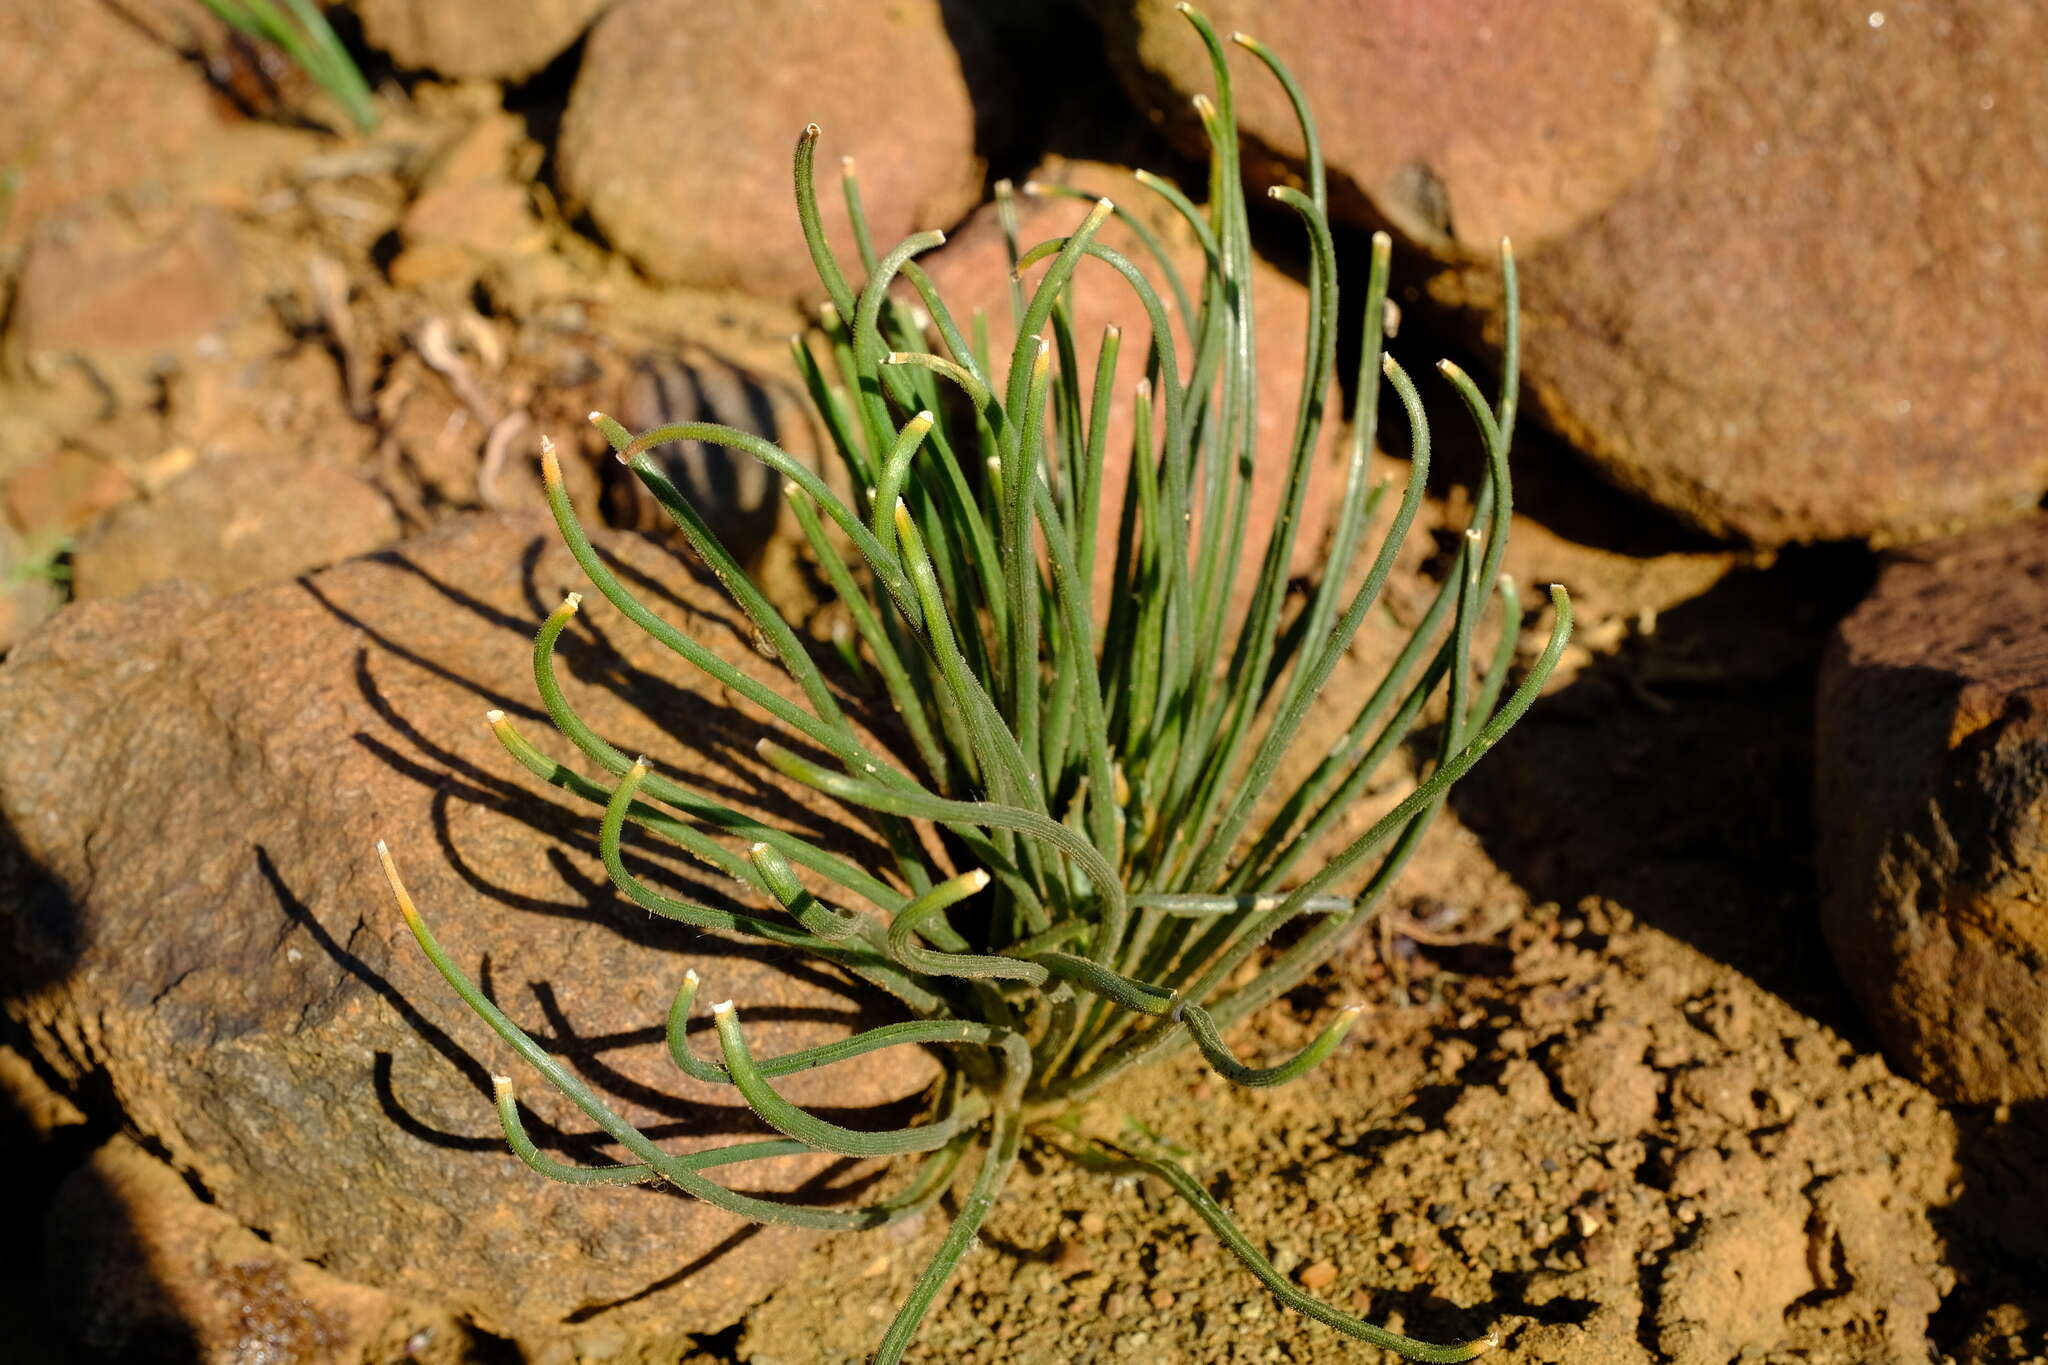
(196, 786)
(1932, 792)
(470, 211)
(1454, 124)
(142, 1271)
(1816, 316)
(78, 81)
(475, 38)
(678, 134)
(973, 271)
(94, 284)
(63, 492)
(232, 523)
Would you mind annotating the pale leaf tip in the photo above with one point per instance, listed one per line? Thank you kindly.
(494, 717)
(722, 1007)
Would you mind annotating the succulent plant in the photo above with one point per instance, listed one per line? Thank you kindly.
(1091, 869)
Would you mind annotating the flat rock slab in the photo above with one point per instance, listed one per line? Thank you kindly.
(1932, 793)
(1818, 314)
(203, 946)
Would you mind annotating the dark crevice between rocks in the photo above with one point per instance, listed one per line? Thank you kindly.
(1039, 78)
(539, 102)
(1996, 1238)
(46, 1310)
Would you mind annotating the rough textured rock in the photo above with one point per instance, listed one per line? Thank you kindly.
(233, 523)
(474, 39)
(95, 284)
(1813, 317)
(1454, 124)
(1932, 789)
(195, 788)
(973, 271)
(470, 211)
(63, 492)
(143, 1271)
(678, 134)
(77, 82)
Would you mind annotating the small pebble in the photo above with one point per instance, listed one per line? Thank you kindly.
(1071, 1259)
(1319, 1276)
(1093, 1223)
(1162, 1299)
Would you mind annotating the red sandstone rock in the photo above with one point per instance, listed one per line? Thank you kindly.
(1454, 123)
(233, 523)
(476, 39)
(678, 134)
(1818, 314)
(197, 921)
(1931, 793)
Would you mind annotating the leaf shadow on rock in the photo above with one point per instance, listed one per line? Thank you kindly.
(716, 732)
